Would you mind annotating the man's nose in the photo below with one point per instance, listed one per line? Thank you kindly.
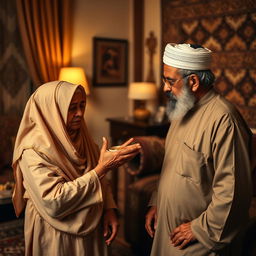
(167, 88)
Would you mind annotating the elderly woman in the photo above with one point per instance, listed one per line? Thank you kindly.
(59, 175)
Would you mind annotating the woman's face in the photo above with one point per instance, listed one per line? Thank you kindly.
(76, 111)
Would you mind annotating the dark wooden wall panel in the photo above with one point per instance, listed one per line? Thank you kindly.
(138, 10)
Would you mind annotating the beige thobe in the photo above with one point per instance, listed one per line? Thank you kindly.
(62, 218)
(205, 179)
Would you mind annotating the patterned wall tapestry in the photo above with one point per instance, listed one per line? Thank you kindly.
(227, 27)
(14, 78)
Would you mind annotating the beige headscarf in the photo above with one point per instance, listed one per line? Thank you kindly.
(43, 129)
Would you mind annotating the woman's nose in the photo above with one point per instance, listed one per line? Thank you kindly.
(79, 112)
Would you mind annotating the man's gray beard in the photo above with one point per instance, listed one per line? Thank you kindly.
(177, 107)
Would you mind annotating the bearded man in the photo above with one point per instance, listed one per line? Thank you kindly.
(204, 192)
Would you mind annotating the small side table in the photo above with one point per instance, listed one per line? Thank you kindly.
(123, 128)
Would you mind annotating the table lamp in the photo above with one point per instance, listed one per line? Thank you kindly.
(140, 92)
(74, 75)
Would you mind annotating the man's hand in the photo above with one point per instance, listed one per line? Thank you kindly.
(110, 225)
(151, 220)
(182, 235)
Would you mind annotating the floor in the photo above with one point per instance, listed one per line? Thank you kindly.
(12, 241)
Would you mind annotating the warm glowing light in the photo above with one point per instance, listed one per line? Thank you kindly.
(142, 91)
(74, 75)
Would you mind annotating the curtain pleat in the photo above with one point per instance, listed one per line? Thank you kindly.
(46, 34)
(67, 26)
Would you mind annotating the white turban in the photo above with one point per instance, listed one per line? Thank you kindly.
(187, 56)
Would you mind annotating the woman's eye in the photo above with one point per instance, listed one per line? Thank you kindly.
(72, 109)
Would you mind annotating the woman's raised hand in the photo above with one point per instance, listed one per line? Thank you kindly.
(113, 159)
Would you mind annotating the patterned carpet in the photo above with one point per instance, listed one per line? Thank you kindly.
(12, 240)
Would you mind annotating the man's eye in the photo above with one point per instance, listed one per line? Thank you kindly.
(171, 81)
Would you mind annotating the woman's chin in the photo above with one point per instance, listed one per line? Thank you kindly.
(72, 131)
(75, 126)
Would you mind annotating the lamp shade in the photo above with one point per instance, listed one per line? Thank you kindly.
(74, 75)
(142, 91)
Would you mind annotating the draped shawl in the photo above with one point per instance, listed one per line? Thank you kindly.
(43, 129)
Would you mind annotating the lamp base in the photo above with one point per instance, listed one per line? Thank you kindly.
(141, 114)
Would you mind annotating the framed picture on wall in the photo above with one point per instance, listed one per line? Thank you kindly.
(110, 61)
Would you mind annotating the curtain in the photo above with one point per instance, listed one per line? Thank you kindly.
(46, 34)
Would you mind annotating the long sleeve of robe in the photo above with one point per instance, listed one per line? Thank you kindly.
(220, 222)
(205, 179)
(64, 210)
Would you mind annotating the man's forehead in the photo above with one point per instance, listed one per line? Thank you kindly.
(170, 69)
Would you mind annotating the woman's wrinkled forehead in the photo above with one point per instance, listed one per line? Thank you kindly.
(64, 95)
(79, 94)
(80, 90)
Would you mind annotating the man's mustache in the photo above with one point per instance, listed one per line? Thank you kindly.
(170, 96)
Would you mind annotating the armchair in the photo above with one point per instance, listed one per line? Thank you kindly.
(142, 178)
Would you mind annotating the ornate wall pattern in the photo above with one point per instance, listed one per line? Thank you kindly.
(228, 28)
(14, 78)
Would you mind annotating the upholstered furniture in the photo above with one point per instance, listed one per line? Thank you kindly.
(142, 177)
(122, 128)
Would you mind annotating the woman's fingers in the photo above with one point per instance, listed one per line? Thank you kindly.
(129, 149)
(127, 157)
(104, 145)
(127, 154)
(109, 160)
(127, 142)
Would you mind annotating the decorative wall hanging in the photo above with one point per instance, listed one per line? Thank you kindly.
(15, 83)
(151, 43)
(228, 28)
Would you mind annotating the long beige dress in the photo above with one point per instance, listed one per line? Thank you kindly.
(56, 181)
(206, 179)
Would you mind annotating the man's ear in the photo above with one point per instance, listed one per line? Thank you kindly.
(194, 82)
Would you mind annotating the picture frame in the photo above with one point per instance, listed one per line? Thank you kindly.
(110, 61)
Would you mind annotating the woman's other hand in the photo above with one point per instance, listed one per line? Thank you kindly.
(113, 159)
(110, 225)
